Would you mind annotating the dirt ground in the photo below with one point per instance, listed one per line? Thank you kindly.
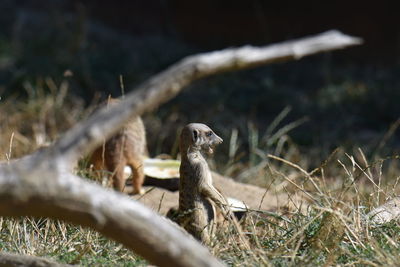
(254, 197)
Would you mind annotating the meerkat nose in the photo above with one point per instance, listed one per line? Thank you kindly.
(218, 140)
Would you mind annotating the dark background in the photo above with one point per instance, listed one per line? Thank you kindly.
(217, 24)
(350, 97)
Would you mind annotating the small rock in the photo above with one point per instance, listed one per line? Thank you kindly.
(386, 212)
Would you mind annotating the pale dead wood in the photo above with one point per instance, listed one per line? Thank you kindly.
(48, 191)
(166, 85)
(41, 184)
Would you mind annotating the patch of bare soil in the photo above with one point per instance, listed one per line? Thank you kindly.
(254, 197)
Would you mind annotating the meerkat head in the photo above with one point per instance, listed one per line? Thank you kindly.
(199, 136)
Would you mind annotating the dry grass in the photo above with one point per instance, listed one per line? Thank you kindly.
(328, 230)
(62, 242)
(38, 119)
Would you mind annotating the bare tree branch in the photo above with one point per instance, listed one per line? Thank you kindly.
(170, 82)
(46, 191)
(42, 185)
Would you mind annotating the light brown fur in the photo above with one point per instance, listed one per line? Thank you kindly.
(125, 148)
(196, 192)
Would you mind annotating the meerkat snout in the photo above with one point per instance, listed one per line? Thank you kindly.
(214, 140)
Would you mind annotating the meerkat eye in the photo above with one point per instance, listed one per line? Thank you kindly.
(208, 134)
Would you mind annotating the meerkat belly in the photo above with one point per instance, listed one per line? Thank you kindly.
(205, 208)
(199, 219)
(191, 202)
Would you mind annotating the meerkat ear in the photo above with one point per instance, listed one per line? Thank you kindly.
(195, 136)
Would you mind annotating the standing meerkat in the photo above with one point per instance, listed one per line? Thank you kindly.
(126, 148)
(196, 211)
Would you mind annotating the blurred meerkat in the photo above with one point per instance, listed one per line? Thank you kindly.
(196, 191)
(126, 148)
